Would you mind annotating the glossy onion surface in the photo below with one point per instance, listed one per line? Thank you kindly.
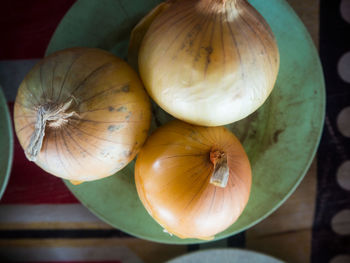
(172, 176)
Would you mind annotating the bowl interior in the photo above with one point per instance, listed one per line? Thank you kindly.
(280, 138)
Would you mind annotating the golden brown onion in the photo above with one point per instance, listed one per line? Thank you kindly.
(81, 114)
(207, 62)
(194, 181)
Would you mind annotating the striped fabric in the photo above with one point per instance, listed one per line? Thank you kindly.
(41, 221)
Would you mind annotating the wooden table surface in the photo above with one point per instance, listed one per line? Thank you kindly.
(286, 234)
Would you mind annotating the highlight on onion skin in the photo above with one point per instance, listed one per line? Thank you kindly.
(206, 62)
(174, 174)
(81, 114)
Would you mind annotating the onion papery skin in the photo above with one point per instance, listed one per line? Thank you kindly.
(209, 62)
(109, 113)
(172, 176)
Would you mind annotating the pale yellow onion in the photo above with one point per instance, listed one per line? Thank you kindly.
(207, 62)
(181, 174)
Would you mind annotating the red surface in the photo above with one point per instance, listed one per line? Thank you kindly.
(26, 26)
(29, 184)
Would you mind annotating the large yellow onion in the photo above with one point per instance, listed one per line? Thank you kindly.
(194, 181)
(207, 62)
(81, 114)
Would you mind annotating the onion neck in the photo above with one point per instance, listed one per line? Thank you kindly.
(223, 2)
(221, 171)
(51, 115)
(216, 6)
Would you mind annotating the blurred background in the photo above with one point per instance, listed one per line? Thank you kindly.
(41, 221)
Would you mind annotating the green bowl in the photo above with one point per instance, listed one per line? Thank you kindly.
(6, 143)
(281, 138)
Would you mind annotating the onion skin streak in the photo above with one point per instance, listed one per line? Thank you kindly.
(106, 113)
(172, 175)
(208, 62)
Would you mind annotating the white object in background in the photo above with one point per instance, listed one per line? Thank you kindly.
(344, 67)
(345, 10)
(225, 256)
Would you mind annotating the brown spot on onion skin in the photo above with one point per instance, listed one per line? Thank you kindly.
(126, 88)
(127, 117)
(127, 153)
(209, 50)
(122, 109)
(113, 128)
(110, 108)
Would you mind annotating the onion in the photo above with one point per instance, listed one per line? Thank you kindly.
(206, 62)
(81, 114)
(194, 181)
